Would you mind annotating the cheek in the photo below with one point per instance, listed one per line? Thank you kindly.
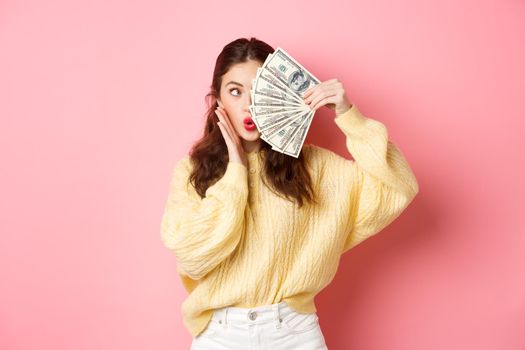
(234, 113)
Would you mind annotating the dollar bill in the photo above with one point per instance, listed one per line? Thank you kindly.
(279, 127)
(266, 109)
(282, 137)
(277, 105)
(265, 88)
(263, 122)
(269, 77)
(290, 72)
(264, 100)
(293, 148)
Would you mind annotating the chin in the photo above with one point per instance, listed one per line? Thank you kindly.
(253, 136)
(250, 135)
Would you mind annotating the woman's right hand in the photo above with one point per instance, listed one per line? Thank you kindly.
(233, 141)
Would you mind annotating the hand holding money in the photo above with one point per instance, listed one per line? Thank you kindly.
(278, 108)
(285, 97)
(330, 93)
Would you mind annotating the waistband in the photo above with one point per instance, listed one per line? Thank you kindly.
(255, 315)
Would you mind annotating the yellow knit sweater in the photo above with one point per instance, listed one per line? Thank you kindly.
(243, 245)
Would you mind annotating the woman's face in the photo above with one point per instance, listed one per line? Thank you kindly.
(235, 97)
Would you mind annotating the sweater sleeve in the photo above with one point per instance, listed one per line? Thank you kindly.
(203, 232)
(383, 182)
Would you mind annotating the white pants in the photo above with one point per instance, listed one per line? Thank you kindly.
(274, 327)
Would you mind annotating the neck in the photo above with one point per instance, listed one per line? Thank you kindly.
(251, 146)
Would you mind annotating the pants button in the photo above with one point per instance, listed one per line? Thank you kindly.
(252, 315)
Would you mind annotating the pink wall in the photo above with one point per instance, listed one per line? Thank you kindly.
(98, 99)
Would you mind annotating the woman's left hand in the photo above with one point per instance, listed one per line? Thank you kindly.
(330, 93)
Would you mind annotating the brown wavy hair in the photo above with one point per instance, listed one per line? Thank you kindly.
(284, 175)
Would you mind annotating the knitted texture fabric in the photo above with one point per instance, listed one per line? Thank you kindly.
(243, 245)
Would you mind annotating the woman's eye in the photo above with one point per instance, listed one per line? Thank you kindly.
(233, 90)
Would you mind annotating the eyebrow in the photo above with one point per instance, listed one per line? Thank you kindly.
(233, 82)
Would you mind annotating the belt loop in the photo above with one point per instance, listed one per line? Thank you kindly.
(276, 317)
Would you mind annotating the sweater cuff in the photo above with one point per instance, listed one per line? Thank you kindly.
(236, 173)
(352, 117)
(234, 181)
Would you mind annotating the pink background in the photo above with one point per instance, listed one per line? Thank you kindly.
(99, 99)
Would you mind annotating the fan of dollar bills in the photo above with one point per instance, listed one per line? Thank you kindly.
(278, 109)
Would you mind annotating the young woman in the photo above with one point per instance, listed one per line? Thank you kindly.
(257, 234)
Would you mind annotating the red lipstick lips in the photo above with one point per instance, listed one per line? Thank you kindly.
(249, 124)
